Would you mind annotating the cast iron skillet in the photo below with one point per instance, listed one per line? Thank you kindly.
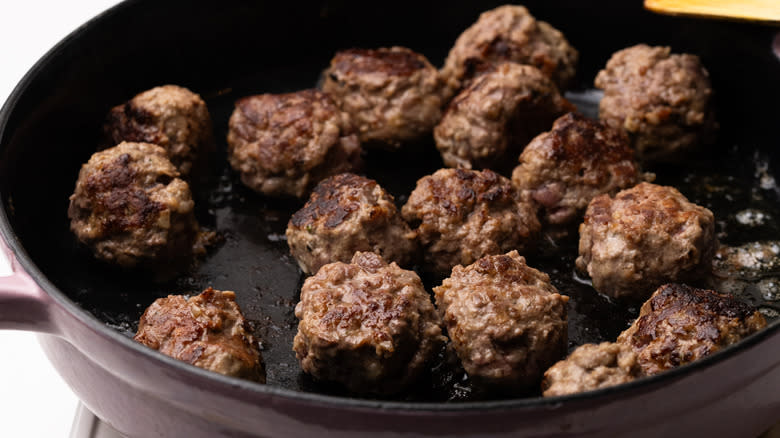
(50, 125)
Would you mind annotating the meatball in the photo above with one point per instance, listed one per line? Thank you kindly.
(510, 34)
(348, 213)
(207, 330)
(488, 123)
(170, 116)
(462, 215)
(591, 367)
(579, 159)
(644, 237)
(680, 324)
(131, 208)
(284, 144)
(367, 325)
(663, 101)
(393, 94)
(506, 322)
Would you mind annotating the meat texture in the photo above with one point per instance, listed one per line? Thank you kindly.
(663, 100)
(367, 325)
(646, 236)
(207, 330)
(170, 116)
(591, 367)
(680, 324)
(393, 95)
(506, 322)
(284, 144)
(579, 159)
(347, 213)
(132, 209)
(510, 34)
(462, 215)
(488, 124)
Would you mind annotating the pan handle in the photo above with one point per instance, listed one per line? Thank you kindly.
(23, 304)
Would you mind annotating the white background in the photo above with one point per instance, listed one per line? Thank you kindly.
(34, 401)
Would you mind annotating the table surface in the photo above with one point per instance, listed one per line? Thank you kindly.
(34, 400)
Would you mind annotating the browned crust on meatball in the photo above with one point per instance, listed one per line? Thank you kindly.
(125, 206)
(680, 324)
(591, 367)
(348, 213)
(489, 123)
(510, 34)
(367, 325)
(579, 159)
(506, 321)
(169, 116)
(462, 215)
(131, 208)
(394, 61)
(646, 236)
(663, 100)
(207, 330)
(284, 144)
(393, 95)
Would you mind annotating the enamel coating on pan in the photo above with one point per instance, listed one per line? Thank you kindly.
(221, 48)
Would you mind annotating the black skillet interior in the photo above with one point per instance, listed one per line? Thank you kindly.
(228, 49)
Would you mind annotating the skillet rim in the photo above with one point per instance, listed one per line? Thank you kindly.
(247, 388)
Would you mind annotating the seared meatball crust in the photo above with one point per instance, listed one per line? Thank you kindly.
(646, 236)
(367, 325)
(284, 144)
(207, 330)
(506, 322)
(577, 160)
(663, 100)
(680, 324)
(510, 33)
(393, 95)
(131, 209)
(347, 213)
(591, 367)
(169, 116)
(462, 215)
(488, 124)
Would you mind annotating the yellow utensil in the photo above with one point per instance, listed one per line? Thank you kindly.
(752, 10)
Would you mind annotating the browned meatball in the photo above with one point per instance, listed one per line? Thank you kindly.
(510, 33)
(591, 367)
(644, 237)
(680, 324)
(579, 159)
(506, 321)
(663, 101)
(367, 325)
(207, 330)
(131, 208)
(348, 213)
(393, 94)
(170, 116)
(488, 123)
(284, 144)
(462, 215)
